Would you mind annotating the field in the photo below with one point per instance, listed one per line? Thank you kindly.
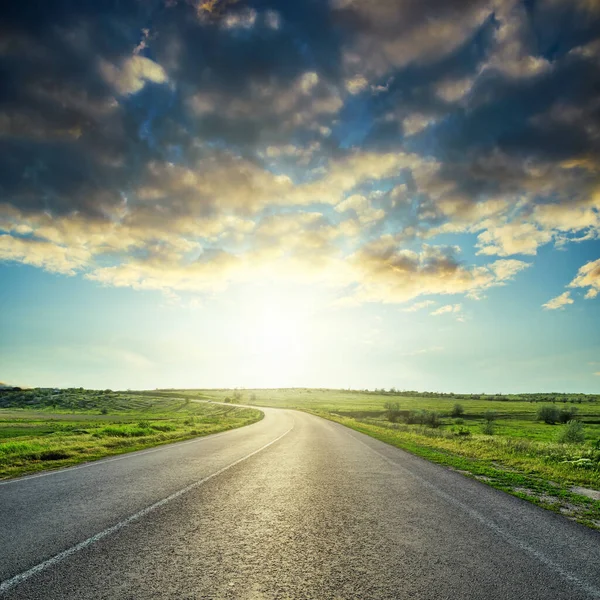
(497, 439)
(47, 429)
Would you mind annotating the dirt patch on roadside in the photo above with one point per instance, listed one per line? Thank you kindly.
(593, 494)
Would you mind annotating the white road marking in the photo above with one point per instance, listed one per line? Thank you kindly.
(17, 579)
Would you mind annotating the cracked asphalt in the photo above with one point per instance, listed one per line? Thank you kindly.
(323, 512)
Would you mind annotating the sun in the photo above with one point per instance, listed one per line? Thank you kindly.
(276, 336)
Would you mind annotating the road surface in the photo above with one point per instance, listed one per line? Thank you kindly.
(290, 507)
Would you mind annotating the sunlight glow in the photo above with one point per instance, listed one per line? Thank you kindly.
(275, 336)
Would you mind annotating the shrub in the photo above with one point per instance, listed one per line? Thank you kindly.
(489, 416)
(488, 427)
(567, 414)
(431, 419)
(414, 417)
(457, 410)
(392, 411)
(459, 421)
(549, 414)
(572, 433)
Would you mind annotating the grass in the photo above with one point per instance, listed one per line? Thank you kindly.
(523, 455)
(39, 436)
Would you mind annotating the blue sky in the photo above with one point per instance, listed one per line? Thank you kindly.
(332, 194)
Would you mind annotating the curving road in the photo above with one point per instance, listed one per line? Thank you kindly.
(291, 507)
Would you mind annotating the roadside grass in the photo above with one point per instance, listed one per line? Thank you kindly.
(38, 440)
(523, 456)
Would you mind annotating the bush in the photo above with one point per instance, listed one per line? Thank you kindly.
(549, 414)
(572, 433)
(459, 421)
(414, 417)
(457, 410)
(488, 428)
(567, 414)
(431, 419)
(489, 416)
(392, 411)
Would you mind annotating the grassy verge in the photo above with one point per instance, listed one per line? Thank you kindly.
(34, 440)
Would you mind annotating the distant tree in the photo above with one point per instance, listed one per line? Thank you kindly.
(548, 414)
(489, 416)
(392, 411)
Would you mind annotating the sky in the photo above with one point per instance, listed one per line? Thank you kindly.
(325, 193)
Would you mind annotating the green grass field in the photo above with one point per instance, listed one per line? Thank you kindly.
(46, 430)
(522, 455)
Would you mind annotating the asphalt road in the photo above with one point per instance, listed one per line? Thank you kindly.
(291, 507)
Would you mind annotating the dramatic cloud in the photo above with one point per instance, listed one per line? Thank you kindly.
(181, 145)
(389, 273)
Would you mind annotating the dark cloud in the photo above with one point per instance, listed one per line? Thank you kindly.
(170, 128)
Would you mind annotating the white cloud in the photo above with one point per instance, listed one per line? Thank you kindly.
(419, 305)
(131, 75)
(448, 308)
(559, 302)
(588, 276)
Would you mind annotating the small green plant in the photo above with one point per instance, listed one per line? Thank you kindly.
(572, 433)
(488, 428)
